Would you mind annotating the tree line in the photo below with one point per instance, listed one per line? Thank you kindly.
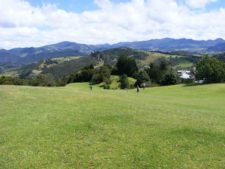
(159, 72)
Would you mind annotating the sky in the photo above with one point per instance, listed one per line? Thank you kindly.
(26, 23)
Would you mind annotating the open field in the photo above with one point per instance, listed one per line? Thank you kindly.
(65, 59)
(175, 127)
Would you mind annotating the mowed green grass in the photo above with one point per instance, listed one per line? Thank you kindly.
(70, 127)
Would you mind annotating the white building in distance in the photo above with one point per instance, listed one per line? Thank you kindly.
(184, 74)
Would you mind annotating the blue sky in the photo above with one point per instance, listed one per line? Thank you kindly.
(211, 6)
(87, 5)
(216, 5)
(25, 23)
(69, 5)
(73, 5)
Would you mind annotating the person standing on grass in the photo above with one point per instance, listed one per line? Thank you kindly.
(138, 89)
(143, 86)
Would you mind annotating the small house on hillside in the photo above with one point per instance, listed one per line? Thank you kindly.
(184, 74)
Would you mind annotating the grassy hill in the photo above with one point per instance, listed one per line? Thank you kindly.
(63, 66)
(179, 60)
(72, 127)
(57, 67)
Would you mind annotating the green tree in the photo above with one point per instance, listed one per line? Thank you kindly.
(158, 69)
(124, 82)
(85, 75)
(101, 75)
(43, 80)
(170, 78)
(211, 70)
(142, 77)
(96, 78)
(126, 65)
(7, 80)
(105, 73)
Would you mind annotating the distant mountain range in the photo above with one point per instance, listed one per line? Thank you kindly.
(29, 55)
(170, 45)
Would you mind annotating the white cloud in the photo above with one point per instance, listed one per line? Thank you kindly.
(24, 25)
(199, 3)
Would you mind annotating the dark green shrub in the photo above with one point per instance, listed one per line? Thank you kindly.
(96, 78)
(126, 65)
(169, 79)
(142, 77)
(211, 70)
(124, 82)
(158, 69)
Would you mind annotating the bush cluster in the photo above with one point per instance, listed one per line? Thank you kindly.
(211, 70)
